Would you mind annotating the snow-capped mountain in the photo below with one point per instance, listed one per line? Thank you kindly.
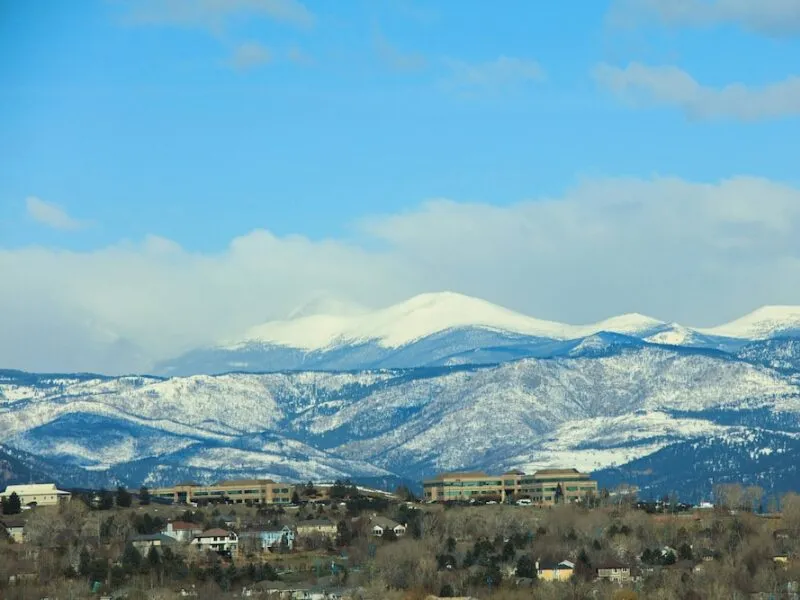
(766, 322)
(443, 329)
(605, 402)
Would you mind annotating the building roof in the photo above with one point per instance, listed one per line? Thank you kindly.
(552, 472)
(12, 522)
(241, 482)
(383, 523)
(152, 537)
(33, 488)
(185, 526)
(217, 532)
(551, 565)
(611, 564)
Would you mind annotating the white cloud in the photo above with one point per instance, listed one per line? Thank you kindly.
(503, 71)
(768, 17)
(215, 14)
(51, 215)
(250, 55)
(642, 85)
(697, 253)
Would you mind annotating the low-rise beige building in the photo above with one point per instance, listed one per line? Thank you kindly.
(240, 491)
(40, 494)
(544, 487)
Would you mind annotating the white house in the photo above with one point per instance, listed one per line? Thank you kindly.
(182, 530)
(41, 494)
(272, 540)
(15, 528)
(380, 525)
(217, 540)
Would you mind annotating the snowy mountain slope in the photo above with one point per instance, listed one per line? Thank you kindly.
(782, 354)
(767, 459)
(504, 411)
(604, 400)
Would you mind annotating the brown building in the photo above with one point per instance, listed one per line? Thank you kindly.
(544, 487)
(255, 491)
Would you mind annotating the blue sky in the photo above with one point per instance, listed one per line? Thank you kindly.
(286, 131)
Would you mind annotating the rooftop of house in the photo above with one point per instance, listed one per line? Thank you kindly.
(612, 564)
(12, 522)
(152, 537)
(216, 532)
(552, 565)
(383, 522)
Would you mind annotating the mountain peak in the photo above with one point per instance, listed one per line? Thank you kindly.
(764, 322)
(419, 317)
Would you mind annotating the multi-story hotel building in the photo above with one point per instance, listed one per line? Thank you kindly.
(255, 491)
(545, 487)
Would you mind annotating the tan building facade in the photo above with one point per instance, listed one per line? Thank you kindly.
(544, 487)
(255, 491)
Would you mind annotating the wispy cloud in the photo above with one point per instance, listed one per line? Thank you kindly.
(644, 85)
(51, 215)
(503, 71)
(767, 17)
(249, 55)
(215, 14)
(393, 57)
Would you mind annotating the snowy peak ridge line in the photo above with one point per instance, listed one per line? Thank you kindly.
(420, 317)
(767, 321)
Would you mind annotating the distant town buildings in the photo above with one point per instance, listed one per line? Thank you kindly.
(40, 494)
(544, 487)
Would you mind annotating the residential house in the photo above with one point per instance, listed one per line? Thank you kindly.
(271, 540)
(324, 527)
(554, 571)
(15, 528)
(182, 530)
(613, 571)
(144, 542)
(39, 494)
(380, 525)
(218, 540)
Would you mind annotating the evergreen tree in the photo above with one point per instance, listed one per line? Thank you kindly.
(124, 497)
(154, 558)
(12, 505)
(295, 498)
(447, 591)
(144, 496)
(131, 559)
(106, 500)
(525, 567)
(85, 563)
(509, 552)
